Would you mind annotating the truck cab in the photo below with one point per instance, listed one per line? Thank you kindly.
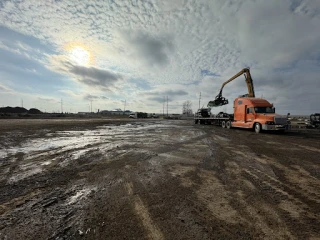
(257, 113)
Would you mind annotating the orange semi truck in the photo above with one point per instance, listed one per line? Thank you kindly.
(249, 112)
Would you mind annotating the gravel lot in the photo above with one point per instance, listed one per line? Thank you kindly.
(156, 179)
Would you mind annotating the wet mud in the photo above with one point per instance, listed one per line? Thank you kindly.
(156, 179)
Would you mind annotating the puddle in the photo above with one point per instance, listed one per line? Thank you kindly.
(3, 154)
(31, 170)
(46, 163)
(66, 146)
(221, 138)
(81, 194)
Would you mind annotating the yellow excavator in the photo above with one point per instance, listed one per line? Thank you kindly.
(220, 101)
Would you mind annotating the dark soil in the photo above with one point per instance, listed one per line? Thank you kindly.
(156, 179)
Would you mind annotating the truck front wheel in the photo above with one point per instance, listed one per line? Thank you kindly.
(257, 127)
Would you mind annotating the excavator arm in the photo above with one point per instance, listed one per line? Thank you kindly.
(220, 101)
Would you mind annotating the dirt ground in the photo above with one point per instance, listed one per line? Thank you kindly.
(156, 179)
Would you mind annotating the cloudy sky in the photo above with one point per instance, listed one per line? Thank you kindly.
(108, 52)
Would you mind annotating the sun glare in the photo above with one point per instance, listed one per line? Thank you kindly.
(79, 55)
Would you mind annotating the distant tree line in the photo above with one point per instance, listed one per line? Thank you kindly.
(19, 110)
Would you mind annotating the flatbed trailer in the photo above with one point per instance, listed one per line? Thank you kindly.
(220, 119)
(211, 120)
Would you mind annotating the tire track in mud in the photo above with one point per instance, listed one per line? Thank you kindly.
(269, 164)
(281, 198)
(232, 209)
(194, 220)
(290, 205)
(143, 214)
(301, 195)
(127, 161)
(214, 224)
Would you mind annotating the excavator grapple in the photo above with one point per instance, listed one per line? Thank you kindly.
(219, 101)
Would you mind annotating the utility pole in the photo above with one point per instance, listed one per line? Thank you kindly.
(199, 100)
(167, 105)
(91, 105)
(61, 106)
(164, 100)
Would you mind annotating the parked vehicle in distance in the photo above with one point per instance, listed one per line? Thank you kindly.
(138, 115)
(133, 115)
(314, 121)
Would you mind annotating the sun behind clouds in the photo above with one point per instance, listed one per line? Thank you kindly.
(79, 54)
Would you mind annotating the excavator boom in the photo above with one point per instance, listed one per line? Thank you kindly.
(220, 101)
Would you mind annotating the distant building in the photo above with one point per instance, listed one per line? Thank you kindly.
(104, 112)
(115, 112)
(84, 113)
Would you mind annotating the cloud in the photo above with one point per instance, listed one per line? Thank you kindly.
(157, 99)
(5, 89)
(70, 93)
(153, 50)
(90, 97)
(160, 96)
(22, 50)
(52, 100)
(92, 77)
(167, 92)
(32, 71)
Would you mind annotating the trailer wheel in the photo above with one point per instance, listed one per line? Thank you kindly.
(257, 127)
(228, 124)
(223, 124)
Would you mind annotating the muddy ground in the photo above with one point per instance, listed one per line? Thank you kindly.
(156, 179)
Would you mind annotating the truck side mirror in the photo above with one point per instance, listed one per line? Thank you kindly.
(288, 114)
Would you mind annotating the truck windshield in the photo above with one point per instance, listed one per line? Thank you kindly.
(264, 110)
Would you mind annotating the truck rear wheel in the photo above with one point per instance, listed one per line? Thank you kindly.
(223, 124)
(228, 124)
(257, 127)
